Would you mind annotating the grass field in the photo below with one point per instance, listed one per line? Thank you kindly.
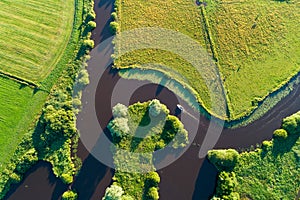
(266, 176)
(33, 39)
(179, 15)
(19, 106)
(33, 35)
(255, 42)
(258, 47)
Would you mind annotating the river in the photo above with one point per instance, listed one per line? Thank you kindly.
(187, 178)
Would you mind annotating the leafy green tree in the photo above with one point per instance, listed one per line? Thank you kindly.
(292, 124)
(224, 159)
(67, 178)
(92, 25)
(114, 192)
(89, 43)
(280, 134)
(120, 110)
(226, 186)
(69, 195)
(152, 194)
(152, 179)
(114, 27)
(155, 108)
(119, 127)
(127, 197)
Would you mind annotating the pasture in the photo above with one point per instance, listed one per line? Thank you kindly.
(258, 48)
(33, 40)
(254, 43)
(18, 109)
(33, 36)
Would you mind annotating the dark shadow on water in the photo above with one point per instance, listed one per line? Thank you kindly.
(38, 183)
(206, 181)
(91, 174)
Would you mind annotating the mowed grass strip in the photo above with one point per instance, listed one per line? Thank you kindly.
(33, 35)
(18, 108)
(258, 48)
(176, 15)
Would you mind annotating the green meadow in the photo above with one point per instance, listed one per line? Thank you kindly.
(255, 45)
(18, 108)
(33, 41)
(33, 36)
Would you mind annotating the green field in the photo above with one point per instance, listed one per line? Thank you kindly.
(178, 15)
(33, 36)
(255, 42)
(258, 48)
(18, 106)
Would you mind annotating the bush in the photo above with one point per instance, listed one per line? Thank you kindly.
(67, 178)
(14, 178)
(114, 192)
(223, 159)
(280, 134)
(152, 179)
(119, 127)
(114, 16)
(114, 27)
(181, 138)
(127, 197)
(292, 124)
(89, 43)
(69, 195)
(226, 186)
(155, 108)
(92, 25)
(267, 145)
(152, 194)
(120, 110)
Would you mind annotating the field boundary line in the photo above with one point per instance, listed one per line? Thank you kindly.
(19, 79)
(215, 57)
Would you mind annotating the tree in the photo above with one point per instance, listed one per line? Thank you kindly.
(152, 194)
(120, 110)
(119, 127)
(292, 124)
(69, 195)
(224, 159)
(114, 192)
(92, 25)
(152, 179)
(280, 134)
(226, 186)
(155, 108)
(114, 27)
(88, 43)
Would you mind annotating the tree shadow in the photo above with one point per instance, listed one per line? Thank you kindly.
(282, 146)
(206, 181)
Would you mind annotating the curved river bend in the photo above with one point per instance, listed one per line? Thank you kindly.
(187, 178)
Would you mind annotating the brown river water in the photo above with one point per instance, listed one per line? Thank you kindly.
(187, 178)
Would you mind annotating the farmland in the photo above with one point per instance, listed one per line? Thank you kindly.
(18, 107)
(258, 48)
(255, 45)
(33, 36)
(164, 14)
